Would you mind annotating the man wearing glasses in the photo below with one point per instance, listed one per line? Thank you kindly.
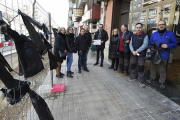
(168, 40)
(103, 36)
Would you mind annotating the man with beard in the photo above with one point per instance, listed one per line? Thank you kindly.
(138, 46)
(168, 41)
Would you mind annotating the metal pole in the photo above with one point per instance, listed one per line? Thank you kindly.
(50, 39)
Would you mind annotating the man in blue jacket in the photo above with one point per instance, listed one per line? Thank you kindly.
(168, 40)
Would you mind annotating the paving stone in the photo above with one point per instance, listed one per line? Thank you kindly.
(101, 94)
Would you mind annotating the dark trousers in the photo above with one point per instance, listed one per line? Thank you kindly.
(115, 60)
(102, 55)
(140, 73)
(124, 61)
(84, 56)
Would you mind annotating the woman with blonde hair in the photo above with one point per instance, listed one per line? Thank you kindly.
(70, 43)
(113, 49)
(60, 46)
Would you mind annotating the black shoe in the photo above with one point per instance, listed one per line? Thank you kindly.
(150, 80)
(85, 69)
(59, 76)
(69, 74)
(79, 71)
(162, 86)
(115, 69)
(101, 65)
(110, 67)
(96, 64)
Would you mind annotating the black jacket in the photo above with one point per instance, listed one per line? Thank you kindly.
(113, 47)
(89, 38)
(104, 38)
(81, 43)
(70, 43)
(59, 45)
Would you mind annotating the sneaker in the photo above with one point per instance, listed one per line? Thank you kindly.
(119, 72)
(96, 64)
(162, 86)
(132, 79)
(124, 74)
(150, 80)
(85, 69)
(59, 76)
(142, 85)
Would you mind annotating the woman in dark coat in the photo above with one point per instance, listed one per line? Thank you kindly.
(70, 43)
(60, 45)
(113, 49)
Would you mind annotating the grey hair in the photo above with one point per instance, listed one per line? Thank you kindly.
(59, 30)
(162, 21)
(125, 26)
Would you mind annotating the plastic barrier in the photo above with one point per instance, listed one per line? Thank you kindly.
(1, 45)
(9, 43)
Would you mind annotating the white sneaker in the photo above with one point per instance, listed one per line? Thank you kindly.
(142, 85)
(132, 79)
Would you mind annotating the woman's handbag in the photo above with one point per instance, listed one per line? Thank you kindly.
(62, 54)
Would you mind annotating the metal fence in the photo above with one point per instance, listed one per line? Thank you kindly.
(9, 8)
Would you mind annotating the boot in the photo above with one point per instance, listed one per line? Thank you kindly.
(111, 67)
(59, 76)
(69, 74)
(125, 74)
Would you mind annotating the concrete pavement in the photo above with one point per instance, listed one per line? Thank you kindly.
(101, 94)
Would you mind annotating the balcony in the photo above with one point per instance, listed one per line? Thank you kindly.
(70, 5)
(92, 15)
(70, 23)
(81, 3)
(149, 2)
(70, 13)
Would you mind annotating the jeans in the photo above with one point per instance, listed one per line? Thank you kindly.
(82, 60)
(69, 61)
(102, 55)
(84, 56)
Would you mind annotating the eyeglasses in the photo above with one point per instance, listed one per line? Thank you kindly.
(161, 24)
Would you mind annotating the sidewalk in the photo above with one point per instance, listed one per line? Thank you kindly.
(101, 94)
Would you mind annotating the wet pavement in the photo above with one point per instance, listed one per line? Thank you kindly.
(101, 94)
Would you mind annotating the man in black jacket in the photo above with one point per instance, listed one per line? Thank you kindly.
(82, 47)
(89, 39)
(103, 36)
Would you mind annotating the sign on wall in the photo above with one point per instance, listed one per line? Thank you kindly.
(78, 12)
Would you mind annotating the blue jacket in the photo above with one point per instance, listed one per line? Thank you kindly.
(167, 38)
(128, 36)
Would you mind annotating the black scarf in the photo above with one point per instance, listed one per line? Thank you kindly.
(62, 35)
(161, 32)
(115, 35)
(71, 35)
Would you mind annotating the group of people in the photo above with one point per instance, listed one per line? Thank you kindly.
(126, 50)
(126, 47)
(66, 42)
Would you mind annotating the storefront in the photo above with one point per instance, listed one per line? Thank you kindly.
(149, 12)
